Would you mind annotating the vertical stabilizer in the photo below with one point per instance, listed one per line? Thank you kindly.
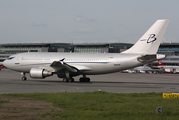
(150, 41)
(160, 63)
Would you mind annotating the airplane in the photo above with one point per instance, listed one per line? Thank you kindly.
(1, 66)
(144, 69)
(139, 69)
(169, 67)
(40, 65)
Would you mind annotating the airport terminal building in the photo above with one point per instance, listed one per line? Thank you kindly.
(9, 49)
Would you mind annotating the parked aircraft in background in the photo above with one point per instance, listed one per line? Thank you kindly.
(68, 65)
(1, 67)
(169, 67)
(147, 69)
(144, 69)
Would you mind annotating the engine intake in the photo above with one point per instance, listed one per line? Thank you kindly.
(39, 73)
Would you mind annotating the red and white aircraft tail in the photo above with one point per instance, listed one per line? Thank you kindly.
(167, 69)
(160, 63)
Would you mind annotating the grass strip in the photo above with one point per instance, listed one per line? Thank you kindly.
(103, 105)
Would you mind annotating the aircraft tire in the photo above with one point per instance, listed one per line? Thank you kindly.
(65, 80)
(71, 80)
(81, 79)
(24, 78)
(84, 79)
(88, 79)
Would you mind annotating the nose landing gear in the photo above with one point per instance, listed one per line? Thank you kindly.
(24, 78)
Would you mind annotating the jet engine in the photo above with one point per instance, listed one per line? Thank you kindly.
(39, 73)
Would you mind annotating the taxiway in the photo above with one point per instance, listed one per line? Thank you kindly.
(10, 82)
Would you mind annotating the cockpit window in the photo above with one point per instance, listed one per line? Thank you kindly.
(10, 58)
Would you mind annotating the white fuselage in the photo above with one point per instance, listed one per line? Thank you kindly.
(88, 63)
(68, 65)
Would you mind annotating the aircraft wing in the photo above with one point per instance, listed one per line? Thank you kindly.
(61, 65)
(58, 65)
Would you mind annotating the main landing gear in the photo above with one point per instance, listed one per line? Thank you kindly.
(24, 78)
(84, 79)
(68, 79)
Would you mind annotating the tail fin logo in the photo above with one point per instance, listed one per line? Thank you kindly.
(160, 62)
(151, 38)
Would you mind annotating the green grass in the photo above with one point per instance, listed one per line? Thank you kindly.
(3, 101)
(109, 106)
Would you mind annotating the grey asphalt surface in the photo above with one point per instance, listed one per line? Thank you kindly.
(10, 82)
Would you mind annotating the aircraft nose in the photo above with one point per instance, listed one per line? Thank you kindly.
(4, 63)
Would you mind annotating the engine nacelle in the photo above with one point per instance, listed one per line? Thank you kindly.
(39, 73)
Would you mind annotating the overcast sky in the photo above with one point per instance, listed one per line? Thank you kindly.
(84, 21)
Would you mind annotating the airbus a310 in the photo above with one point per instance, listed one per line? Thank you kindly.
(68, 65)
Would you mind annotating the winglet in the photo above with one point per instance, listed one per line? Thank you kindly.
(61, 61)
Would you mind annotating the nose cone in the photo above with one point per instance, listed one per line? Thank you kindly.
(7, 63)
(4, 63)
(10, 63)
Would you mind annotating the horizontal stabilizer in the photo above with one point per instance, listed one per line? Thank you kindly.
(148, 58)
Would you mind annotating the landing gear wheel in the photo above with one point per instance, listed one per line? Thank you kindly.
(87, 79)
(84, 79)
(65, 80)
(81, 79)
(24, 78)
(71, 80)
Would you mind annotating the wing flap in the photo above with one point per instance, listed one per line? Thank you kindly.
(82, 68)
(60, 65)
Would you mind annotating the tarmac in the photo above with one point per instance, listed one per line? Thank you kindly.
(10, 82)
